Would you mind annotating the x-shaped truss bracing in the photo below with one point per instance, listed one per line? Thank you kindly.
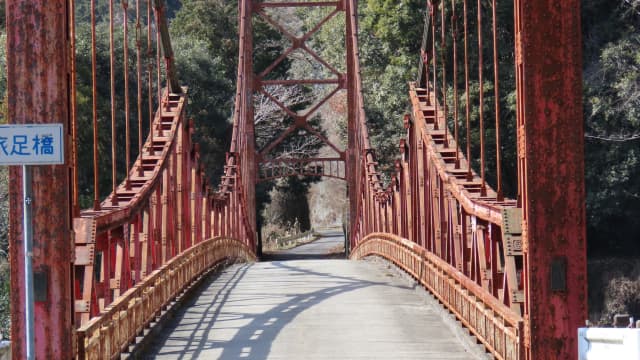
(260, 83)
(331, 167)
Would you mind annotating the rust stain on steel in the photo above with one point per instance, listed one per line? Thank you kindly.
(458, 249)
(552, 173)
(464, 297)
(136, 308)
(153, 222)
(452, 227)
(37, 68)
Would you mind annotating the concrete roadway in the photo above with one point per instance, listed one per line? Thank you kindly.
(321, 248)
(313, 309)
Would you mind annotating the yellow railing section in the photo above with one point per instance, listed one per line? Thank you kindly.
(499, 328)
(105, 336)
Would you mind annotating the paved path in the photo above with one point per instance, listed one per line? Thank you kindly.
(311, 309)
(323, 247)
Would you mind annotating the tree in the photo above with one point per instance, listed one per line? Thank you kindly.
(210, 99)
(612, 124)
(271, 120)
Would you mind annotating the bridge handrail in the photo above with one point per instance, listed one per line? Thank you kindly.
(480, 312)
(445, 217)
(115, 211)
(106, 335)
(489, 211)
(111, 216)
(314, 166)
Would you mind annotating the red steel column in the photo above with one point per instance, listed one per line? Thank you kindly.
(38, 87)
(352, 157)
(551, 173)
(248, 168)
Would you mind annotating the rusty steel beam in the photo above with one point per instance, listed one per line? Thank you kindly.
(248, 165)
(551, 174)
(38, 86)
(105, 337)
(352, 152)
(278, 168)
(491, 322)
(301, 81)
(298, 4)
(167, 50)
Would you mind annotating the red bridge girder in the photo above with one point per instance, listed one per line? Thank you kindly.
(513, 271)
(316, 167)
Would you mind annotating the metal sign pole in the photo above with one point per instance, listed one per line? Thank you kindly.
(30, 144)
(28, 268)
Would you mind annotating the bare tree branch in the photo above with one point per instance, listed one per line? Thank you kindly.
(269, 121)
(634, 5)
(266, 110)
(300, 147)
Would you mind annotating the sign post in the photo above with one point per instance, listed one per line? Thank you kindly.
(26, 145)
(27, 222)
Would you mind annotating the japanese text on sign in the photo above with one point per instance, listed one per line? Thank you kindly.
(33, 144)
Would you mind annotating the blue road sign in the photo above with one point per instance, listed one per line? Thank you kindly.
(31, 144)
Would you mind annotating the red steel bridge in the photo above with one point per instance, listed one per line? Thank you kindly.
(513, 271)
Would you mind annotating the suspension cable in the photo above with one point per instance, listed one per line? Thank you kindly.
(94, 108)
(497, 105)
(432, 12)
(443, 50)
(158, 72)
(125, 20)
(114, 199)
(483, 189)
(150, 78)
(466, 89)
(75, 206)
(454, 29)
(139, 84)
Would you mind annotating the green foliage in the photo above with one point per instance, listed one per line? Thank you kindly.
(194, 67)
(213, 25)
(389, 47)
(210, 99)
(5, 320)
(85, 114)
(389, 44)
(612, 124)
(329, 41)
(613, 288)
(288, 204)
(2, 14)
(613, 96)
(205, 39)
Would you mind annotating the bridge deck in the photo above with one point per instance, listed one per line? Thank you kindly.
(312, 309)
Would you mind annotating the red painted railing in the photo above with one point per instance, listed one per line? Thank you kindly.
(486, 257)
(499, 328)
(465, 240)
(162, 226)
(512, 271)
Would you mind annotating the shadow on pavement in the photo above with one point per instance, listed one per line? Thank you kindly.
(253, 333)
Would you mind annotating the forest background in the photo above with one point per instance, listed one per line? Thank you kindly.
(204, 36)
